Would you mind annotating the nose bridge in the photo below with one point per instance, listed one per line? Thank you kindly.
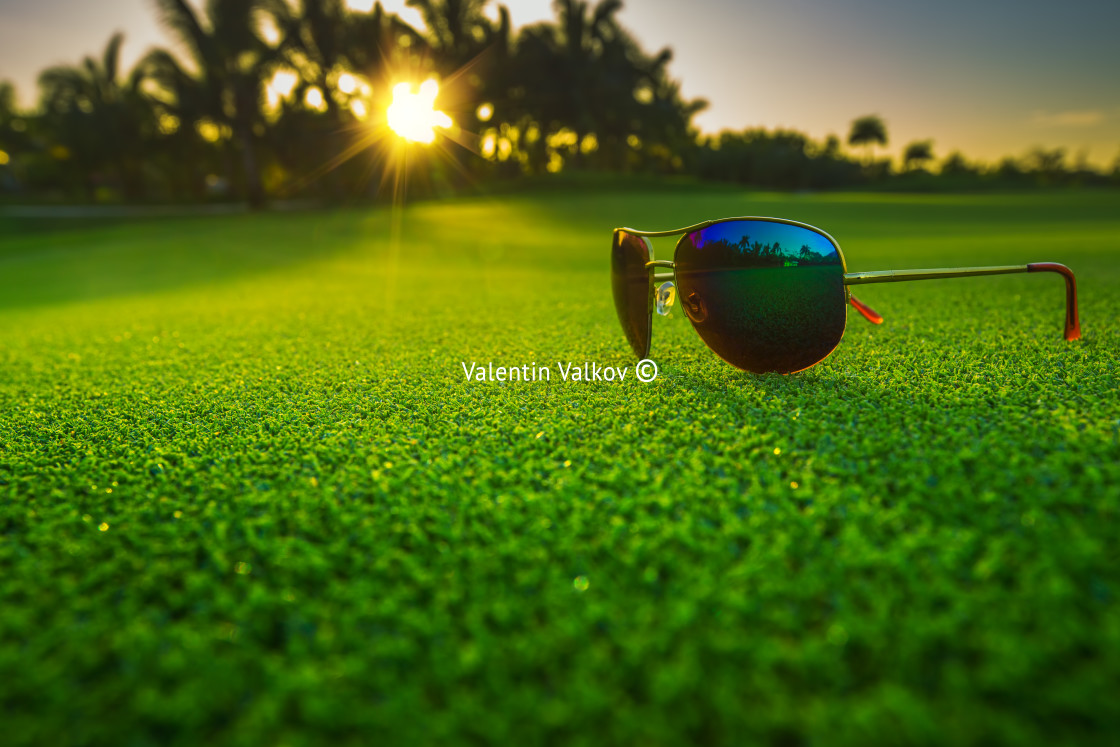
(662, 277)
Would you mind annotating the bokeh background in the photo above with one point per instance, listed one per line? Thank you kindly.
(251, 100)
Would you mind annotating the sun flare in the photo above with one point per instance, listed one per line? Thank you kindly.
(413, 116)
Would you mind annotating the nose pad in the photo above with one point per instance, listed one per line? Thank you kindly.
(666, 295)
(695, 308)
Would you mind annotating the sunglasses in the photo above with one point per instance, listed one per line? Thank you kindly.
(765, 294)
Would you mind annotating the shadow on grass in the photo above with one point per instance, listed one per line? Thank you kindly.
(93, 259)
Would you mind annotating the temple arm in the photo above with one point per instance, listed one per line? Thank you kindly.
(1073, 324)
(868, 313)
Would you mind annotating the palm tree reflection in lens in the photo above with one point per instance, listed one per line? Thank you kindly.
(765, 296)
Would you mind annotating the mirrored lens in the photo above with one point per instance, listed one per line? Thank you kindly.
(633, 289)
(765, 296)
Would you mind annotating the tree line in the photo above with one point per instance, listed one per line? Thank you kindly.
(279, 99)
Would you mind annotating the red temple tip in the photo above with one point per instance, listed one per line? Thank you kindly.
(868, 313)
(1073, 321)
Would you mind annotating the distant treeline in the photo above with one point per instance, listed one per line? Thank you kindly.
(787, 159)
(278, 99)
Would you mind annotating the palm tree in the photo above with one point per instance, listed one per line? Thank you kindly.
(233, 62)
(8, 116)
(471, 53)
(458, 31)
(867, 131)
(587, 74)
(1048, 166)
(316, 38)
(183, 100)
(99, 122)
(373, 41)
(917, 153)
(12, 140)
(7, 104)
(955, 164)
(563, 64)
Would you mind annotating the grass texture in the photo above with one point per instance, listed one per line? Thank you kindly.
(247, 495)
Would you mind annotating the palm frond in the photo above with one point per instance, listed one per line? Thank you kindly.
(110, 60)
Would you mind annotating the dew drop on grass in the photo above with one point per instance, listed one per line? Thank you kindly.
(581, 583)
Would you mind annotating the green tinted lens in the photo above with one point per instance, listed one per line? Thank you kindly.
(765, 296)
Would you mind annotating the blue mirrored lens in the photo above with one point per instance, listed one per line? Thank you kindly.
(764, 295)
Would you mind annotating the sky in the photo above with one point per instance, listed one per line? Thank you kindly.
(986, 77)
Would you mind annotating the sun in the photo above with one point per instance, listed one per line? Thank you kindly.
(413, 116)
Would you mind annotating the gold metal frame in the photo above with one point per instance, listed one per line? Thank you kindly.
(850, 278)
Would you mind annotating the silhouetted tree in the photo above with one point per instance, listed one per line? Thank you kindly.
(586, 76)
(471, 53)
(917, 153)
(956, 165)
(317, 38)
(9, 115)
(868, 131)
(1048, 166)
(232, 62)
(13, 137)
(783, 159)
(831, 148)
(7, 111)
(1010, 170)
(184, 103)
(458, 32)
(99, 122)
(561, 69)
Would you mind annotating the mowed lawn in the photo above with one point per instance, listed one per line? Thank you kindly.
(247, 495)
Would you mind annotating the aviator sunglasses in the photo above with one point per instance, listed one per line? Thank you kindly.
(765, 294)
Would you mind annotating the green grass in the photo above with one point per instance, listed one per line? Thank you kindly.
(247, 496)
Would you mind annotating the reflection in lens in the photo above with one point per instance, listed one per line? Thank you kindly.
(632, 283)
(764, 295)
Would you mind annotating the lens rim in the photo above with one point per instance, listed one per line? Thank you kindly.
(615, 241)
(761, 219)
